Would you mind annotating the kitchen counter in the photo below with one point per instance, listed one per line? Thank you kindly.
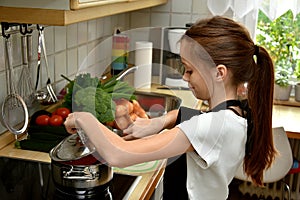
(289, 118)
(285, 116)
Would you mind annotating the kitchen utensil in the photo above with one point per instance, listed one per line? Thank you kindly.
(88, 146)
(14, 110)
(74, 168)
(52, 98)
(25, 86)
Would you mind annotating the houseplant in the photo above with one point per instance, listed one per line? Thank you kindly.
(281, 38)
(297, 85)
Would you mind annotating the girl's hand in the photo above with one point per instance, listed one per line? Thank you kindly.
(143, 127)
(70, 123)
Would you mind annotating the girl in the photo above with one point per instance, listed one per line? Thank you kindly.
(219, 56)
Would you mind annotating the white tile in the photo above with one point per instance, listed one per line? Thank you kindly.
(103, 50)
(200, 7)
(72, 61)
(180, 19)
(163, 8)
(92, 28)
(60, 65)
(82, 58)
(195, 18)
(49, 39)
(160, 19)
(123, 21)
(182, 6)
(91, 57)
(114, 23)
(60, 38)
(72, 35)
(140, 19)
(82, 32)
(108, 29)
(99, 28)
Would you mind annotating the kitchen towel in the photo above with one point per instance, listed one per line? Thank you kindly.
(143, 60)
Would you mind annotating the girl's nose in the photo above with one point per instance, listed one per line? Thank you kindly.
(185, 77)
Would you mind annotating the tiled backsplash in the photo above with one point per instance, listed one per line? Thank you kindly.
(68, 46)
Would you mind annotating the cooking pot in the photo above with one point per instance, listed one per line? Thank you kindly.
(75, 166)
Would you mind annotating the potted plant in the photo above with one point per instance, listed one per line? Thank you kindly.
(283, 86)
(279, 37)
(297, 85)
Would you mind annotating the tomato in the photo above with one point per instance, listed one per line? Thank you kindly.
(56, 120)
(64, 112)
(42, 120)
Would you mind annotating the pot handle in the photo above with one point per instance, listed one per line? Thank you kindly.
(85, 174)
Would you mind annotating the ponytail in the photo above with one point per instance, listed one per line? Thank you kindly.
(260, 100)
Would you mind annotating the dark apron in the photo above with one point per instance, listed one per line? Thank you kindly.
(174, 182)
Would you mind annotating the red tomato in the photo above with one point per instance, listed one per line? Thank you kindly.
(56, 120)
(64, 112)
(42, 120)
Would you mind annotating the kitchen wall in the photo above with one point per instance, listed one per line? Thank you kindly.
(69, 46)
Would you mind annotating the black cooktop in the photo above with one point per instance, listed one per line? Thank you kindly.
(122, 185)
(119, 188)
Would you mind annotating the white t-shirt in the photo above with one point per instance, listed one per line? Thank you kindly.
(219, 140)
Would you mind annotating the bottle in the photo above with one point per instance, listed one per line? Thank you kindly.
(120, 47)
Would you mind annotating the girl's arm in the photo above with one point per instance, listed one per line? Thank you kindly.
(120, 153)
(144, 127)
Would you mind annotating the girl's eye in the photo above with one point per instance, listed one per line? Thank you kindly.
(187, 71)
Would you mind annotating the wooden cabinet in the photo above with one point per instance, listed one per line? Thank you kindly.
(79, 4)
(64, 12)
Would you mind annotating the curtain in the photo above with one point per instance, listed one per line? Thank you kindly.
(240, 8)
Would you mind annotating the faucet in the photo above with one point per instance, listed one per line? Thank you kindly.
(127, 71)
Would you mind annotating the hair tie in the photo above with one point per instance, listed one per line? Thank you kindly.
(256, 50)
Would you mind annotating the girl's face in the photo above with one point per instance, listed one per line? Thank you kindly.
(198, 74)
(195, 81)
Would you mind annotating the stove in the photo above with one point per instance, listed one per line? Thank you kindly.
(123, 185)
(119, 188)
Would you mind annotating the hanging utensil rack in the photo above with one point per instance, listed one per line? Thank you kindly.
(12, 28)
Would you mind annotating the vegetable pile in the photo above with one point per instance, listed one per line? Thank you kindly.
(45, 130)
(86, 93)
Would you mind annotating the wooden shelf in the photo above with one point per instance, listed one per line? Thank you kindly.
(290, 102)
(65, 17)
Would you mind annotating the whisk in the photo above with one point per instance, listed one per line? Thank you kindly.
(25, 86)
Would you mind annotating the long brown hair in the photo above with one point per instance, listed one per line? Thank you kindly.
(230, 44)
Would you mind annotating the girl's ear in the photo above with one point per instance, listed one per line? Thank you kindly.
(221, 72)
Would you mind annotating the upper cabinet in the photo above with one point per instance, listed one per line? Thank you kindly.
(64, 12)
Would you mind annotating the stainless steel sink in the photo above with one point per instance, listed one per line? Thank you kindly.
(156, 104)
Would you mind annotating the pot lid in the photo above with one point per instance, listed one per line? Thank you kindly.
(71, 148)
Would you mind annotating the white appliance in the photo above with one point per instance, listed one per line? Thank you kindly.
(172, 68)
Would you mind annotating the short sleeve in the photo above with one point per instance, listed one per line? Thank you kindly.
(205, 134)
